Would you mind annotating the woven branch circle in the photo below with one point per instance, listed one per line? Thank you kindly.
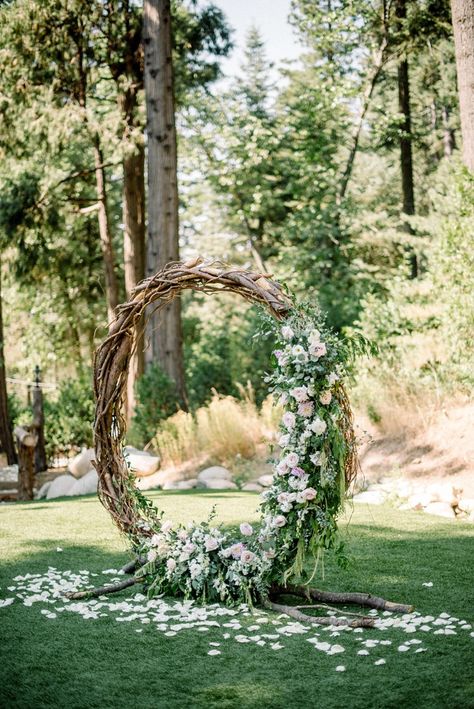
(113, 356)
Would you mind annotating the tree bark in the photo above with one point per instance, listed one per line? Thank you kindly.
(165, 331)
(134, 246)
(26, 441)
(449, 139)
(111, 283)
(406, 157)
(463, 25)
(41, 462)
(6, 435)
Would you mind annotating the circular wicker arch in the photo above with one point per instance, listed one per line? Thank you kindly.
(113, 356)
(115, 489)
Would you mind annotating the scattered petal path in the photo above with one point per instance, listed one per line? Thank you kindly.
(239, 624)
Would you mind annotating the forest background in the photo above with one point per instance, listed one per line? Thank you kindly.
(341, 174)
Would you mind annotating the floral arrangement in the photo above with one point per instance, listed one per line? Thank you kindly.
(299, 511)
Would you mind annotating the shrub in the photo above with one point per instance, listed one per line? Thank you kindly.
(157, 399)
(225, 429)
(69, 419)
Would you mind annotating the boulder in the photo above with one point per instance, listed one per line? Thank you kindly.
(420, 500)
(180, 484)
(82, 463)
(87, 485)
(370, 497)
(252, 487)
(141, 463)
(42, 492)
(466, 504)
(215, 484)
(215, 472)
(441, 509)
(60, 486)
(265, 480)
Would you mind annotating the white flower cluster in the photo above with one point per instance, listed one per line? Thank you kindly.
(204, 562)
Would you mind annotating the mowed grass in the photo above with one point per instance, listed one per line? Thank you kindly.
(76, 663)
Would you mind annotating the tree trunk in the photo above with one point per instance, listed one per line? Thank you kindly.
(111, 283)
(165, 330)
(41, 462)
(26, 441)
(463, 25)
(134, 247)
(6, 435)
(406, 158)
(449, 139)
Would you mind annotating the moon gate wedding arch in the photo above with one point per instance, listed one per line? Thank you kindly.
(139, 520)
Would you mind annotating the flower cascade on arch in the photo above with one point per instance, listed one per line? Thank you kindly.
(299, 510)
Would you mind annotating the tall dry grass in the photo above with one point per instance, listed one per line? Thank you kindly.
(224, 429)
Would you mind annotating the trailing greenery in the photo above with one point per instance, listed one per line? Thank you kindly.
(299, 510)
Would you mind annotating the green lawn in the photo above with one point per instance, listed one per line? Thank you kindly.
(72, 662)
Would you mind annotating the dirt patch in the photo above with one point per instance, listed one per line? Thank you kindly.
(443, 451)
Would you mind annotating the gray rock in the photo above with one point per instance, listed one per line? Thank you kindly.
(43, 491)
(214, 484)
(87, 485)
(81, 464)
(60, 486)
(440, 509)
(466, 504)
(187, 484)
(370, 497)
(181, 484)
(252, 487)
(141, 463)
(265, 480)
(215, 472)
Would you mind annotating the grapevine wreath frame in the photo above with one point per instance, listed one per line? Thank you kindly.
(141, 522)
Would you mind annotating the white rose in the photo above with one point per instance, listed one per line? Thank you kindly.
(156, 540)
(282, 468)
(332, 378)
(246, 529)
(314, 337)
(318, 350)
(287, 333)
(284, 440)
(315, 458)
(309, 494)
(211, 543)
(292, 460)
(325, 398)
(318, 426)
(300, 393)
(152, 554)
(289, 420)
(166, 526)
(171, 565)
(247, 556)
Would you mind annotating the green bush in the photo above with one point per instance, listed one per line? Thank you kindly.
(68, 420)
(157, 399)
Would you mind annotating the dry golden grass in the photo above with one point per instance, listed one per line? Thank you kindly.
(224, 429)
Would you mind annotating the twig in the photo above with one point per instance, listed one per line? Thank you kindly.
(349, 598)
(101, 591)
(294, 612)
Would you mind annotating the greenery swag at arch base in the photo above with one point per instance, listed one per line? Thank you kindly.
(317, 463)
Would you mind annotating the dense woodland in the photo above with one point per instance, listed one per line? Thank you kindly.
(348, 175)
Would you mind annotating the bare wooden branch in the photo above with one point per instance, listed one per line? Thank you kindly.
(101, 591)
(294, 612)
(350, 598)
